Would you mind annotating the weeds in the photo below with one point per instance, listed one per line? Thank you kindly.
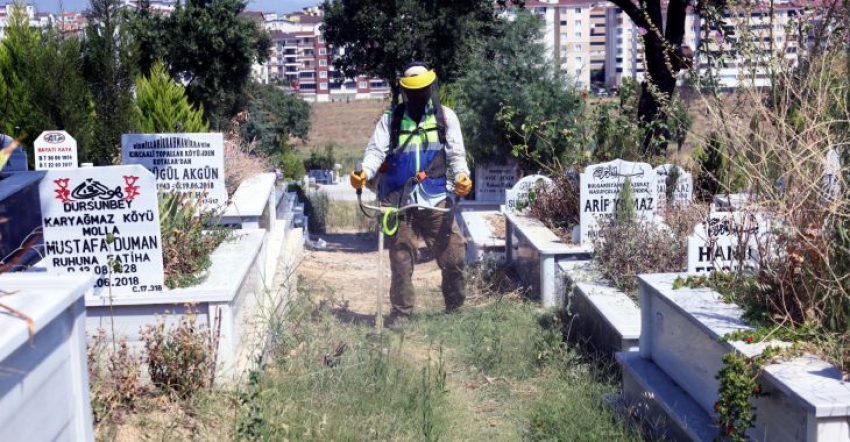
(189, 237)
(557, 206)
(632, 248)
(180, 359)
(114, 377)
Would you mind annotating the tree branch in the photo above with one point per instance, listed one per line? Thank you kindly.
(633, 11)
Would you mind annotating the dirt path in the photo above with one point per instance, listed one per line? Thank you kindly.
(347, 273)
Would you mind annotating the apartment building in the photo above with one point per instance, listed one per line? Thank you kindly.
(36, 19)
(302, 61)
(755, 40)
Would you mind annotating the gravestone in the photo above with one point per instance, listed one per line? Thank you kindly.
(191, 164)
(730, 241)
(831, 173)
(104, 220)
(516, 198)
(600, 192)
(683, 192)
(492, 180)
(55, 149)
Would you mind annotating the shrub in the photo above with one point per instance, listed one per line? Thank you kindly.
(186, 244)
(557, 206)
(241, 161)
(631, 248)
(180, 359)
(316, 207)
(161, 105)
(114, 376)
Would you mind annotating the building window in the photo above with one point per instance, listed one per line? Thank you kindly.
(323, 74)
(578, 60)
(563, 22)
(577, 47)
(578, 23)
(323, 51)
(578, 10)
(323, 86)
(323, 62)
(321, 39)
(578, 34)
(362, 85)
(578, 72)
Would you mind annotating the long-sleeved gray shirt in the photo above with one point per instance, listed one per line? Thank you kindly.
(379, 145)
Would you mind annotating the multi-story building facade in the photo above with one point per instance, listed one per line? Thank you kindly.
(760, 40)
(35, 18)
(302, 61)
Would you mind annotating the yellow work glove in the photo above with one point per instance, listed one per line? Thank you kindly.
(462, 185)
(358, 179)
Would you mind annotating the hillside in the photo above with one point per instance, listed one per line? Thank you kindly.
(346, 124)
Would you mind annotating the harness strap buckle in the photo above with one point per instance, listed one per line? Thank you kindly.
(421, 175)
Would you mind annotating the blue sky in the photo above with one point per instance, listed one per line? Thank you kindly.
(256, 5)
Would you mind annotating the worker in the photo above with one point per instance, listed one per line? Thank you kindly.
(416, 156)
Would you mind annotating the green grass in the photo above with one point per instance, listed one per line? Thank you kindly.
(495, 372)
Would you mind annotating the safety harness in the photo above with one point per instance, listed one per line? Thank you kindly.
(435, 169)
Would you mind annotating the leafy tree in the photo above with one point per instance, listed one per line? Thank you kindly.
(664, 55)
(161, 105)
(148, 31)
(379, 37)
(290, 163)
(514, 101)
(42, 87)
(109, 67)
(211, 49)
(274, 117)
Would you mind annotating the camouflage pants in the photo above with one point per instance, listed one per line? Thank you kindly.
(447, 246)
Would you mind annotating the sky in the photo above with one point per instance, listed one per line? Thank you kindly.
(254, 5)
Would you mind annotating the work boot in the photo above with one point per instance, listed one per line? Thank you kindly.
(396, 321)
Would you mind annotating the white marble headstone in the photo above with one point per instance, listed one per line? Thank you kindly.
(187, 163)
(519, 192)
(831, 173)
(100, 215)
(492, 180)
(55, 149)
(729, 241)
(600, 191)
(683, 194)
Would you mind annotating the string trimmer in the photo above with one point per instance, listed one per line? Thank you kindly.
(388, 218)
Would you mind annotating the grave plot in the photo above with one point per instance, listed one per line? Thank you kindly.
(105, 221)
(673, 379)
(44, 385)
(481, 221)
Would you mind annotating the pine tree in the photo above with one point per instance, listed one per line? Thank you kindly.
(625, 209)
(109, 67)
(161, 105)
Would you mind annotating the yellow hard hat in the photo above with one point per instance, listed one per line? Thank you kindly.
(417, 77)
